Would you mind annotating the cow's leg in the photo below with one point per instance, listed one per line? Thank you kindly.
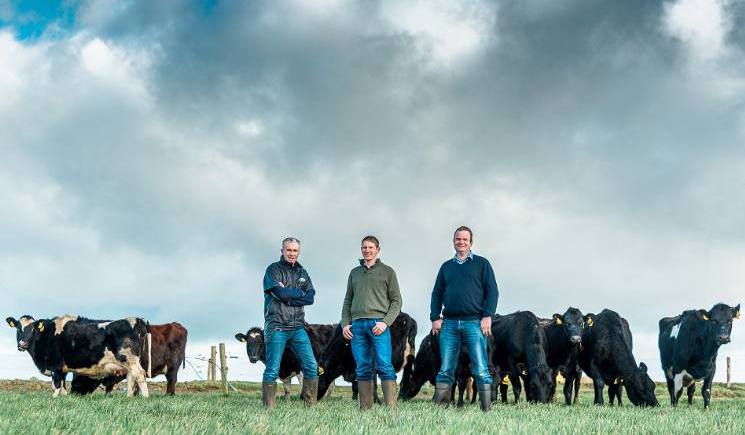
(516, 385)
(706, 389)
(691, 391)
(462, 385)
(135, 374)
(171, 378)
(552, 391)
(577, 379)
(568, 384)
(287, 387)
(598, 384)
(355, 390)
(58, 383)
(407, 378)
(613, 392)
(503, 391)
(299, 377)
(671, 390)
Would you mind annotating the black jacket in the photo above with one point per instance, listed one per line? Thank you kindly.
(287, 289)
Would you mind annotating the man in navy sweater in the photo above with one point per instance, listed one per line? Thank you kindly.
(463, 301)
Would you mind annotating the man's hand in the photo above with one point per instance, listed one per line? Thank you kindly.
(486, 326)
(436, 326)
(347, 332)
(379, 328)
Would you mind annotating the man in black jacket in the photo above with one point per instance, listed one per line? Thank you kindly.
(287, 290)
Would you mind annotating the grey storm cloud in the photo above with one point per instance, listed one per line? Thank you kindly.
(158, 153)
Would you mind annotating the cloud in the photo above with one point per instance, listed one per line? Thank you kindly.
(155, 156)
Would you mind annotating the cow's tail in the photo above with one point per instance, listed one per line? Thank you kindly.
(149, 355)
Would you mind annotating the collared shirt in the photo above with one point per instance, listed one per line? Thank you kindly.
(459, 261)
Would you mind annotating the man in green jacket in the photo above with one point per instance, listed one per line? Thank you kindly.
(371, 305)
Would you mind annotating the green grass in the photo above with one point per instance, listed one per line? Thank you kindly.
(27, 407)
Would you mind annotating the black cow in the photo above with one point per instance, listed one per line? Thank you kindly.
(427, 364)
(688, 348)
(606, 356)
(563, 337)
(520, 351)
(320, 336)
(338, 360)
(72, 344)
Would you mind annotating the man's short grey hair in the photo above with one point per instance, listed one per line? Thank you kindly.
(290, 240)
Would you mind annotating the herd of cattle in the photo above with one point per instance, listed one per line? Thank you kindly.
(524, 350)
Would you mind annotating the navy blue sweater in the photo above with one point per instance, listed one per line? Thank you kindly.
(468, 291)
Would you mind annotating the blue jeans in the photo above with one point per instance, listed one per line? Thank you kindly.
(275, 342)
(451, 334)
(363, 341)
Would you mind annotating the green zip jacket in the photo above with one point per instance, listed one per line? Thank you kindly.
(371, 294)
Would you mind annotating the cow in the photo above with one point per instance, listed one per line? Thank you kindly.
(519, 349)
(606, 356)
(73, 344)
(563, 339)
(168, 351)
(338, 361)
(289, 366)
(688, 348)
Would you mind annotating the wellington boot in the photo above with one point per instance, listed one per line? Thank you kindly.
(442, 394)
(366, 394)
(389, 393)
(485, 397)
(269, 394)
(310, 391)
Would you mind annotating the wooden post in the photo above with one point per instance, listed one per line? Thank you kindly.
(224, 370)
(729, 373)
(213, 364)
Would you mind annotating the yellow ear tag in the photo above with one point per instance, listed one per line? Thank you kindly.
(11, 323)
(242, 340)
(41, 327)
(737, 316)
(705, 317)
(558, 321)
(320, 370)
(589, 321)
(505, 380)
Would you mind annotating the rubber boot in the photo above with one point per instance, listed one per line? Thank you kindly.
(389, 393)
(269, 394)
(310, 391)
(442, 394)
(485, 396)
(365, 389)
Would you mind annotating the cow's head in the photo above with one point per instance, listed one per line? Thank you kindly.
(573, 323)
(27, 330)
(254, 340)
(540, 380)
(640, 387)
(720, 319)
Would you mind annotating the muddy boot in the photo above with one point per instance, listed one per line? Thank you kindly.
(442, 394)
(485, 396)
(310, 391)
(389, 393)
(366, 394)
(269, 394)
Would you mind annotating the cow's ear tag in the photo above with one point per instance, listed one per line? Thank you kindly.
(41, 327)
(737, 315)
(320, 370)
(589, 321)
(705, 316)
(12, 323)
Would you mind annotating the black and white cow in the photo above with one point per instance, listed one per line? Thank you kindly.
(688, 348)
(564, 337)
(338, 361)
(606, 356)
(289, 366)
(520, 351)
(72, 344)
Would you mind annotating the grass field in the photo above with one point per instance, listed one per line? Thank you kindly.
(27, 407)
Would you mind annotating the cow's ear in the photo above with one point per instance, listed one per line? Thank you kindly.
(40, 325)
(559, 319)
(240, 337)
(736, 312)
(703, 314)
(643, 367)
(11, 322)
(588, 319)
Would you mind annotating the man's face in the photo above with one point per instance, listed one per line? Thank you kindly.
(369, 251)
(291, 251)
(462, 242)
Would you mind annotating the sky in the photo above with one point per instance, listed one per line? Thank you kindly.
(154, 155)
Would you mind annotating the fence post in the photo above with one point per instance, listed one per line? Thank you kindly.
(729, 373)
(224, 370)
(213, 364)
